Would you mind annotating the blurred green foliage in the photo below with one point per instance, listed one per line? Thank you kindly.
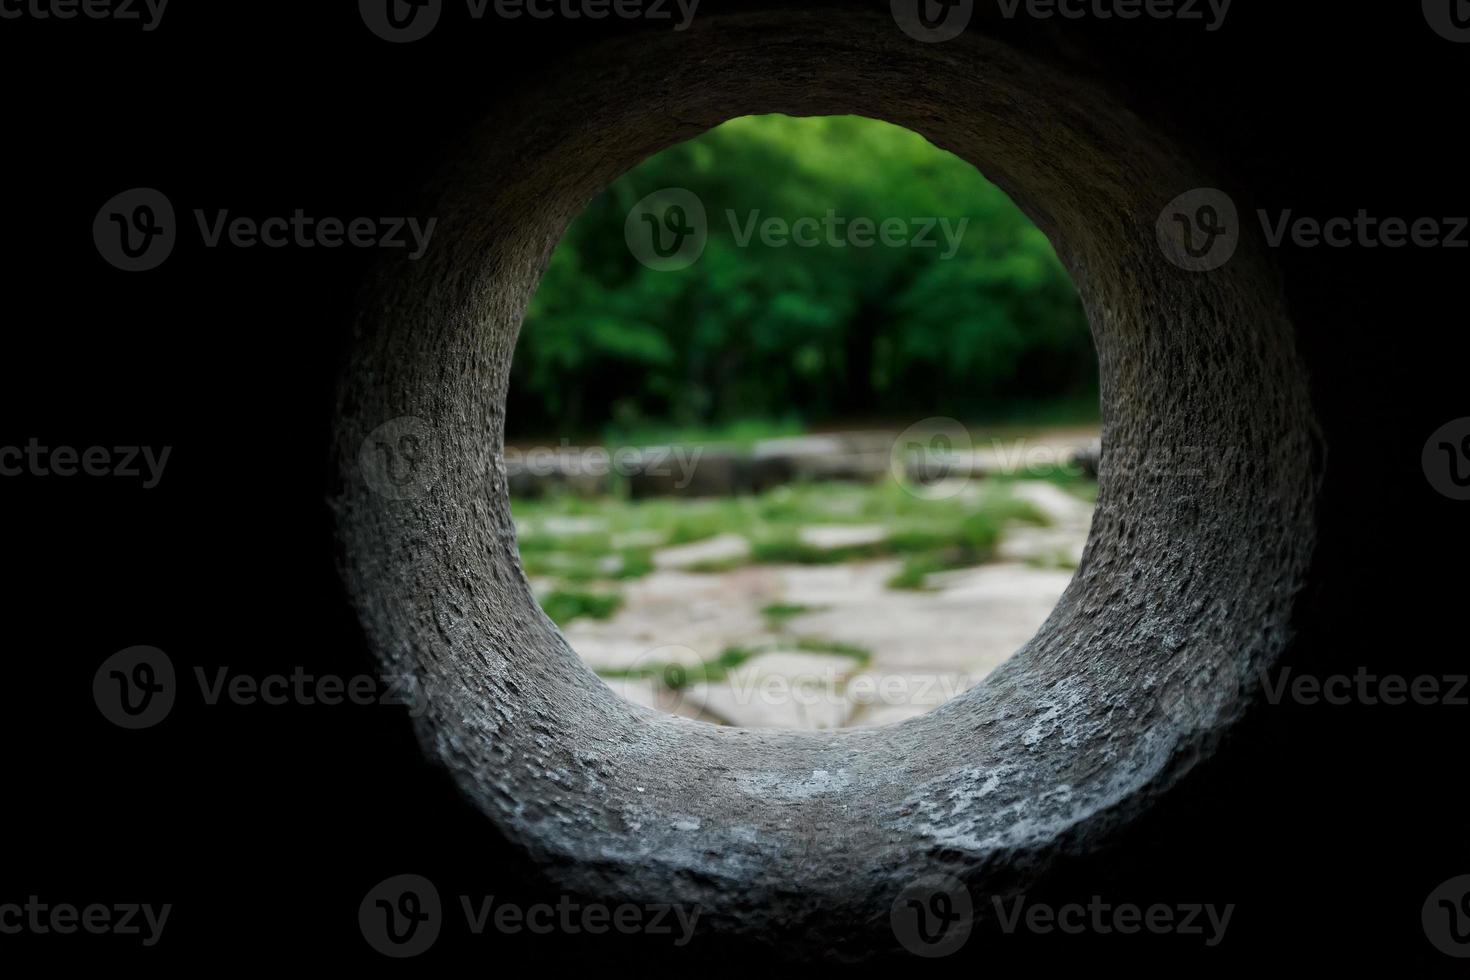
(800, 335)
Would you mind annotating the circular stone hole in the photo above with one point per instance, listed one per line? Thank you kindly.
(1188, 585)
(741, 483)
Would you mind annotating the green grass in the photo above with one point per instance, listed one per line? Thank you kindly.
(916, 570)
(676, 676)
(788, 549)
(812, 644)
(564, 605)
(777, 613)
(716, 566)
(955, 538)
(578, 569)
(697, 526)
(611, 566)
(1058, 561)
(741, 433)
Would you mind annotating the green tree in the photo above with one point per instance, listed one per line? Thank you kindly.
(820, 333)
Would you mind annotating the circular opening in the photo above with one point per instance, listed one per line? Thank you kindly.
(800, 427)
(1197, 553)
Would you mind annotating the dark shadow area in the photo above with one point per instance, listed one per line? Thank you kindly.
(1326, 826)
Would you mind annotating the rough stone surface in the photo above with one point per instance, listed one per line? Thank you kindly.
(809, 837)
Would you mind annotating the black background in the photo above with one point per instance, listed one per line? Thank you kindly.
(264, 826)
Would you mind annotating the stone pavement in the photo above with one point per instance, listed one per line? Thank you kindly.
(924, 646)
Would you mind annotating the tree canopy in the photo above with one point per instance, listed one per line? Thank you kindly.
(818, 332)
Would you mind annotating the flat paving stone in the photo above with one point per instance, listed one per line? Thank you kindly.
(1042, 544)
(703, 612)
(649, 538)
(781, 689)
(826, 585)
(889, 698)
(874, 692)
(721, 547)
(1064, 509)
(651, 695)
(926, 646)
(830, 537)
(570, 526)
